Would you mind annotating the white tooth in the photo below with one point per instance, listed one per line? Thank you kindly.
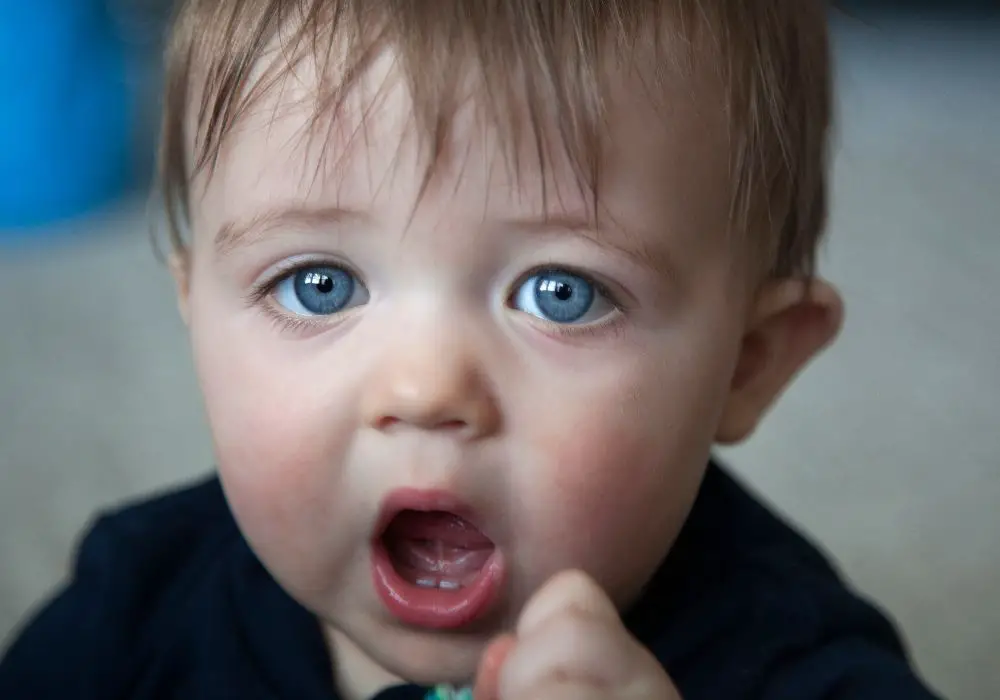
(426, 583)
(449, 585)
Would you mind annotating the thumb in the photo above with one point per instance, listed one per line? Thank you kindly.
(568, 590)
(488, 674)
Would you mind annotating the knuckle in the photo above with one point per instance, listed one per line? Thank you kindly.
(564, 689)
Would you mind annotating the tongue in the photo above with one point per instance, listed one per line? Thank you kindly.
(437, 543)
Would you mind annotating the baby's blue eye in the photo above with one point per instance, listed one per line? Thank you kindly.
(562, 297)
(319, 290)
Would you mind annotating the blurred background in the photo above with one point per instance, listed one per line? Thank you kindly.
(887, 451)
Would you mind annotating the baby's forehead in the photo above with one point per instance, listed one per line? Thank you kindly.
(526, 139)
(654, 160)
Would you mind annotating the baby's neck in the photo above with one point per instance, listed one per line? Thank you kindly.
(357, 677)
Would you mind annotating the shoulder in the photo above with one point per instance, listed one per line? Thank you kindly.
(172, 526)
(747, 607)
(169, 516)
(135, 574)
(139, 552)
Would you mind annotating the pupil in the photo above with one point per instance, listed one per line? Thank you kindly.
(324, 284)
(563, 291)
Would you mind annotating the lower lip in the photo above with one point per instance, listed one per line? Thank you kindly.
(434, 608)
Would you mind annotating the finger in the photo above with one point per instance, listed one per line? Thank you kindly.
(569, 590)
(488, 674)
(564, 690)
(575, 646)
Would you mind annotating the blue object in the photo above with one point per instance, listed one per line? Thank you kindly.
(65, 113)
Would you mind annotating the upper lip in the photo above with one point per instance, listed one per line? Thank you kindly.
(426, 500)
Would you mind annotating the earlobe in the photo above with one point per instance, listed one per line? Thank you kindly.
(791, 322)
(180, 269)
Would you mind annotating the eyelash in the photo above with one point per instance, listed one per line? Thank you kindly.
(284, 321)
(611, 323)
(601, 287)
(257, 297)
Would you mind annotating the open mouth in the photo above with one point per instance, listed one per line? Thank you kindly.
(436, 549)
(432, 567)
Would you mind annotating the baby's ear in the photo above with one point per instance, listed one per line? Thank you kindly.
(790, 323)
(180, 267)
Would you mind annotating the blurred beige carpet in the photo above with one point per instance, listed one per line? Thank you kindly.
(888, 450)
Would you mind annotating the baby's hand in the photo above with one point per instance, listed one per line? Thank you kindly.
(570, 644)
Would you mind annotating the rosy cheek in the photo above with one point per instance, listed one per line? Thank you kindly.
(571, 482)
(285, 503)
(277, 459)
(612, 481)
(602, 471)
(271, 485)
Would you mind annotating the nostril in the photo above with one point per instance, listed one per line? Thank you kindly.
(390, 422)
(386, 422)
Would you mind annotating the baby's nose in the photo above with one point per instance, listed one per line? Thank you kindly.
(432, 386)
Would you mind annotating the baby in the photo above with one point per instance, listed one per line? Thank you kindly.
(473, 288)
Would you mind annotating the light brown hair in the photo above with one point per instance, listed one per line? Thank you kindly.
(772, 56)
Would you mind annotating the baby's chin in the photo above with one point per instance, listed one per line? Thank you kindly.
(424, 657)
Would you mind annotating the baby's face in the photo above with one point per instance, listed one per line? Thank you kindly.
(555, 382)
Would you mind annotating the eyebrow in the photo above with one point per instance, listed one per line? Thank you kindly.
(236, 234)
(654, 258)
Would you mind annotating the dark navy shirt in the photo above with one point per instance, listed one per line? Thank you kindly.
(168, 602)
